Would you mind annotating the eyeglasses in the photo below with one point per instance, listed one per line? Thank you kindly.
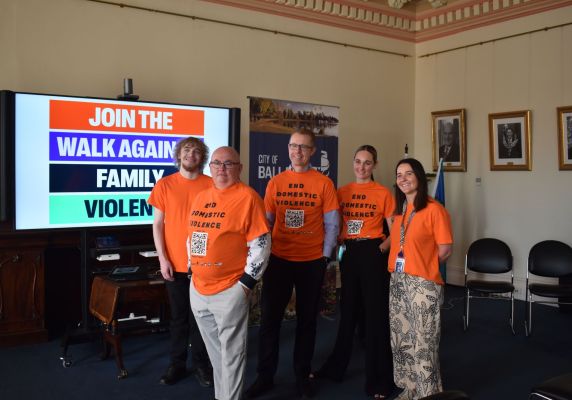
(303, 147)
(227, 164)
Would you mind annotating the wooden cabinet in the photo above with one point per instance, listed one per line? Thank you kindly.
(45, 277)
(22, 296)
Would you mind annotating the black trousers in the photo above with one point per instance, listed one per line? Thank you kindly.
(279, 279)
(183, 324)
(365, 292)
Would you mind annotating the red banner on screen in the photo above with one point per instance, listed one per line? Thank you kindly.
(95, 116)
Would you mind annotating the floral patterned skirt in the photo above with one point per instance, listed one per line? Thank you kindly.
(415, 321)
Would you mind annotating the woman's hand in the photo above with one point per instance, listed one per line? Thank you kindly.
(384, 246)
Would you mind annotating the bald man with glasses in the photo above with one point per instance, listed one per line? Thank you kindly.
(302, 209)
(228, 247)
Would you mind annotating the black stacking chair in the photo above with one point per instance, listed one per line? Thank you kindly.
(488, 257)
(550, 259)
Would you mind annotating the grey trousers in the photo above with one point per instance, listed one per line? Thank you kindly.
(415, 322)
(223, 321)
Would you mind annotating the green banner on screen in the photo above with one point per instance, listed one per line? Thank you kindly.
(71, 209)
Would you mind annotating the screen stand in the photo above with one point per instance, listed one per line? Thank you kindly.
(83, 331)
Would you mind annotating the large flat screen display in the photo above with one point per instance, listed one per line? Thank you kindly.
(84, 162)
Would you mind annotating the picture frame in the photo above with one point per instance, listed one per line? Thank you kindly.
(448, 136)
(564, 138)
(509, 141)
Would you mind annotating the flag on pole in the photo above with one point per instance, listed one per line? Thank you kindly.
(439, 187)
(439, 195)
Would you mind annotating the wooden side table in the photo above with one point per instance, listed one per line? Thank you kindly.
(111, 301)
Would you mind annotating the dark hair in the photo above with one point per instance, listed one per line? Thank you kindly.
(422, 196)
(194, 142)
(371, 150)
(306, 132)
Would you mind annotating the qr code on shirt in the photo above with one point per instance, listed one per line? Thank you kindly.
(294, 218)
(199, 243)
(354, 226)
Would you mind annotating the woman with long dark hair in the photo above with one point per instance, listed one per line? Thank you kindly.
(421, 238)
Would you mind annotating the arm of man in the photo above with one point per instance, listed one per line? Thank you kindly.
(339, 240)
(331, 231)
(159, 240)
(445, 251)
(256, 261)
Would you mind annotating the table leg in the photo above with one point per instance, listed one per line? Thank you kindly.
(115, 340)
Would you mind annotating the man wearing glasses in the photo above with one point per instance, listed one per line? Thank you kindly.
(228, 247)
(171, 198)
(302, 209)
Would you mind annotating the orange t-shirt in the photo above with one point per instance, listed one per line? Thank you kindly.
(299, 201)
(222, 221)
(364, 206)
(429, 228)
(173, 195)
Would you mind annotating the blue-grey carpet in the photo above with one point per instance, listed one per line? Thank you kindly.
(487, 362)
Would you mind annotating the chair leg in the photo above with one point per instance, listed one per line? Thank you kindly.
(466, 314)
(528, 315)
(512, 313)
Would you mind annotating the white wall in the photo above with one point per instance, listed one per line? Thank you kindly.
(530, 72)
(77, 47)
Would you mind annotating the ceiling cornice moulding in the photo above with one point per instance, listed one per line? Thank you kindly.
(402, 24)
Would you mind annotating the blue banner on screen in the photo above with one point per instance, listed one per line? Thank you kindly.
(78, 146)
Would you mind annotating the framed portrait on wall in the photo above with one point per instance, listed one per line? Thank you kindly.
(509, 141)
(449, 139)
(565, 137)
